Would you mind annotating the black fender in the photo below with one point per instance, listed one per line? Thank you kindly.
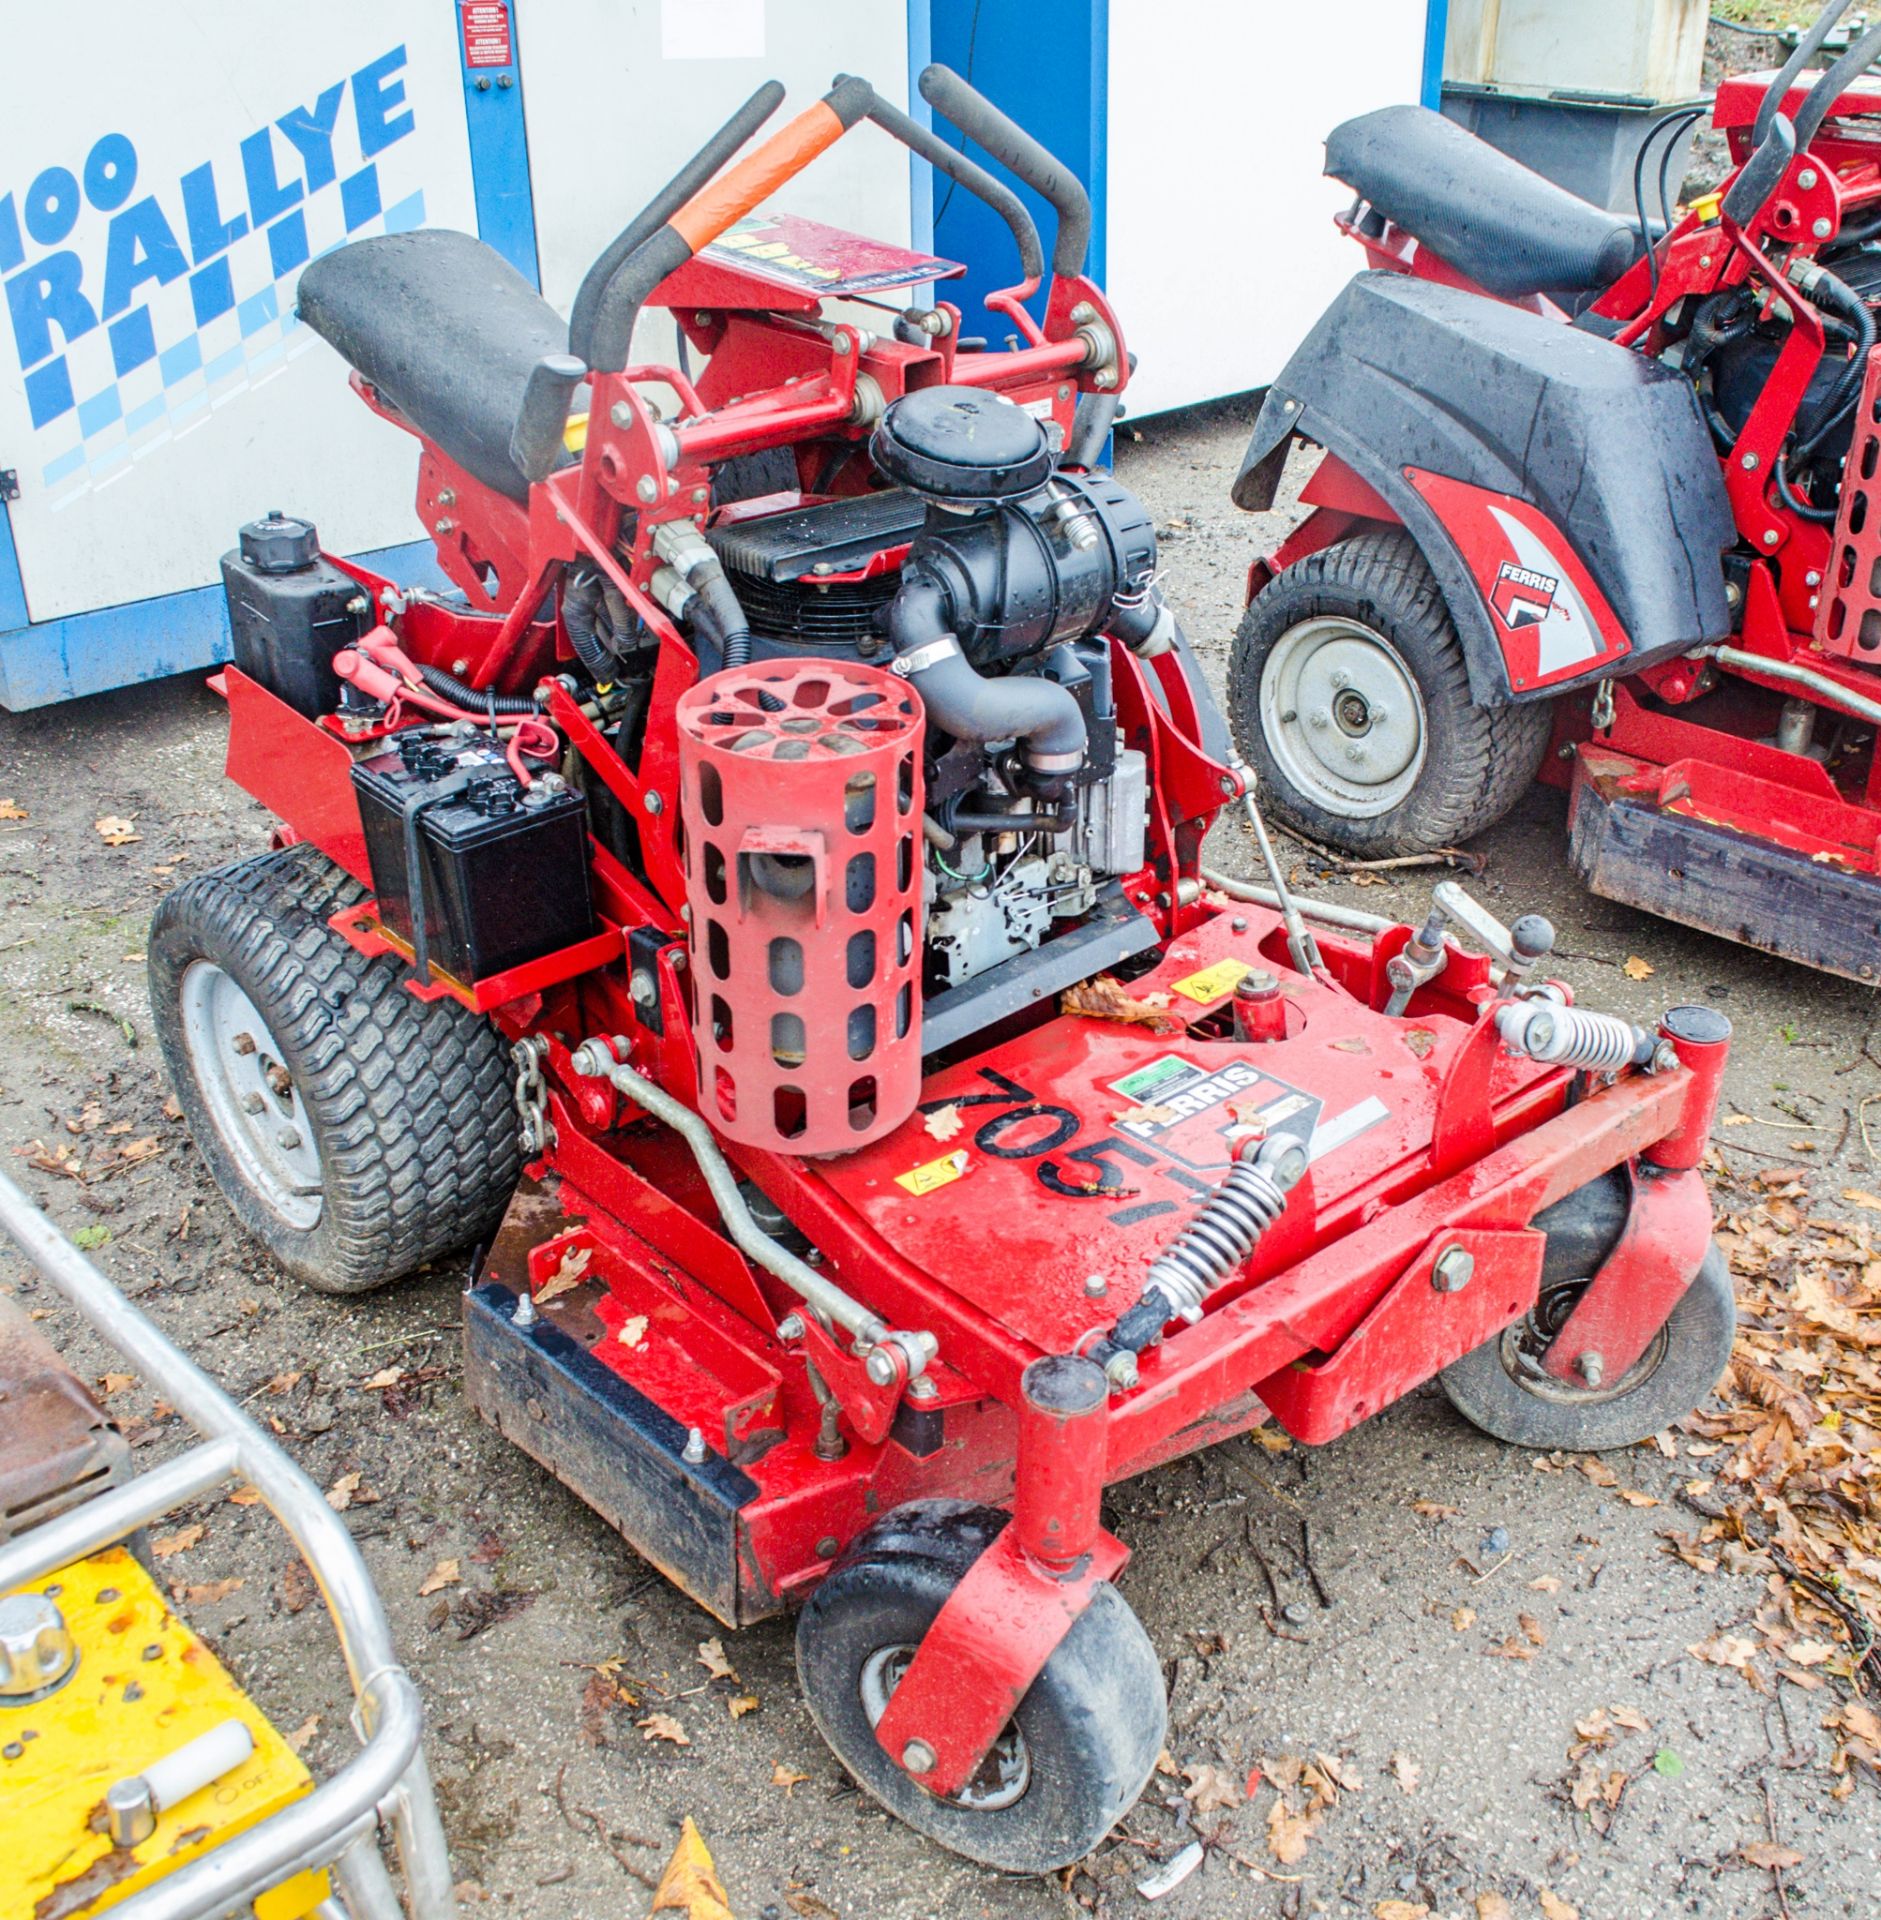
(1605, 443)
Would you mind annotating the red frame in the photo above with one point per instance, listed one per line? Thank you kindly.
(1728, 773)
(1333, 1317)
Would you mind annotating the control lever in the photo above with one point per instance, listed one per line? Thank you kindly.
(1518, 949)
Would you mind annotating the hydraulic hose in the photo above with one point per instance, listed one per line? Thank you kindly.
(1041, 715)
(1827, 290)
(581, 606)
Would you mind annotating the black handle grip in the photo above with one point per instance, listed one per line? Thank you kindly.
(1856, 61)
(1762, 173)
(1806, 50)
(977, 181)
(1019, 153)
(535, 441)
(661, 208)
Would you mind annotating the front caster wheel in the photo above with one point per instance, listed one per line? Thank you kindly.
(1502, 1388)
(353, 1130)
(1069, 1764)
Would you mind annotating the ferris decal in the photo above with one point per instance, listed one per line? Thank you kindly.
(1550, 620)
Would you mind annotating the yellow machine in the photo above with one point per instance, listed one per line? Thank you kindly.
(132, 1688)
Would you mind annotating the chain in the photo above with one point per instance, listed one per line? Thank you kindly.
(537, 1133)
(1603, 707)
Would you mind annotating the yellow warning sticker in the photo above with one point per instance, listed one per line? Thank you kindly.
(1212, 982)
(936, 1173)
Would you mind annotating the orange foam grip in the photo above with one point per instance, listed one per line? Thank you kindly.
(730, 197)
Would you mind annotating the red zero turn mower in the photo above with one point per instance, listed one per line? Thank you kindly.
(1663, 508)
(795, 816)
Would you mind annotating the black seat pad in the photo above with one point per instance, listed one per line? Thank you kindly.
(1489, 216)
(446, 329)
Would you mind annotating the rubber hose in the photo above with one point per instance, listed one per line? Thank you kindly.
(1043, 716)
(476, 700)
(581, 604)
(717, 596)
(1854, 309)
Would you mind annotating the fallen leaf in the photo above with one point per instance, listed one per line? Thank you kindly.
(711, 1656)
(944, 1122)
(1554, 1906)
(1766, 1853)
(11, 810)
(1632, 1718)
(178, 1542)
(1289, 1833)
(1406, 1772)
(1106, 998)
(385, 1377)
(1635, 969)
(444, 1574)
(284, 1382)
(341, 1494)
(1808, 1653)
(1724, 1650)
(809, 1907)
(1857, 1198)
(115, 832)
(568, 1274)
(662, 1726)
(1546, 1584)
(115, 1383)
(303, 1733)
(1510, 1649)
(1143, 1116)
(1400, 1910)
(1633, 1498)
(633, 1330)
(690, 1884)
(297, 1585)
(1463, 1619)
(742, 1704)
(210, 1592)
(781, 1776)
(1209, 1788)
(1492, 1906)
(245, 1497)
(1433, 1510)
(1598, 1472)
(1531, 1629)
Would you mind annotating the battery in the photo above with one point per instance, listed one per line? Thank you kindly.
(502, 869)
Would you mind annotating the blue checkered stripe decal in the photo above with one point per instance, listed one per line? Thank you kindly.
(137, 395)
(220, 322)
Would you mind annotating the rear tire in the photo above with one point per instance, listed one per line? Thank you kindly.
(354, 1131)
(1074, 1757)
(1349, 697)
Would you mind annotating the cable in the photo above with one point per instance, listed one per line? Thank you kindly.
(1678, 120)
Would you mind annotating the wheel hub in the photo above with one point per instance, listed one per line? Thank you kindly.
(253, 1103)
(1343, 716)
(1525, 1343)
(1003, 1775)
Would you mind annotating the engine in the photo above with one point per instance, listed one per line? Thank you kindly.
(872, 878)
(988, 579)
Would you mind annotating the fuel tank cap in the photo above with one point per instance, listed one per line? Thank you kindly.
(959, 443)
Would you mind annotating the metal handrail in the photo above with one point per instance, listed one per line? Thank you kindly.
(388, 1780)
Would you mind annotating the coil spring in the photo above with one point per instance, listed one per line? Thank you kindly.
(1218, 1239)
(1570, 1036)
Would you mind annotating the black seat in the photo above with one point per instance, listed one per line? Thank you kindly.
(446, 329)
(1489, 216)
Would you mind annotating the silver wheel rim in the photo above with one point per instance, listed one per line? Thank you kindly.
(253, 1102)
(1004, 1774)
(1343, 717)
(1525, 1342)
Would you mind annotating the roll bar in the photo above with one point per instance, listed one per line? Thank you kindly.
(719, 204)
(1806, 50)
(641, 228)
(1854, 62)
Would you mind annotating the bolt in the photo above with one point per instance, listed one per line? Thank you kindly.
(1822, 229)
(648, 488)
(621, 414)
(1095, 1286)
(693, 1452)
(880, 1367)
(1454, 1269)
(1120, 1370)
(1104, 377)
(1228, 786)
(1770, 536)
(243, 1043)
(1083, 311)
(1806, 179)
(922, 1388)
(444, 525)
(828, 1547)
(1812, 578)
(153, 1652)
(252, 1103)
(1750, 463)
(279, 1080)
(287, 1139)
(525, 1314)
(651, 800)
(642, 991)
(1355, 753)
(790, 1327)
(1339, 677)
(1665, 1056)
(447, 497)
(1237, 925)
(1318, 721)
(1591, 1367)
(841, 345)
(918, 1757)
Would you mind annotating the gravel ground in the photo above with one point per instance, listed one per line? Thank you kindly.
(554, 1795)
